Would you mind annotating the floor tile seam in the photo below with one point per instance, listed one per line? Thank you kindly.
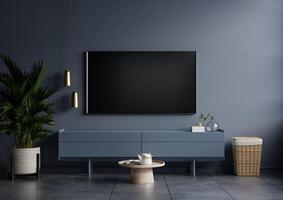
(167, 187)
(223, 188)
(270, 184)
(113, 188)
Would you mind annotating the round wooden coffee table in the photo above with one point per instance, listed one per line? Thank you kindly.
(141, 174)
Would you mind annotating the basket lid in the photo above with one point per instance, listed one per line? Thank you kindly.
(247, 141)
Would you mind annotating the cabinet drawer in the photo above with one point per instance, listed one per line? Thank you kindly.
(181, 136)
(99, 136)
(91, 149)
(184, 149)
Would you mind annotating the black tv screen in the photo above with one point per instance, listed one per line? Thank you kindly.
(141, 82)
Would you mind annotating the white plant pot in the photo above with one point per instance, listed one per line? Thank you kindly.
(24, 160)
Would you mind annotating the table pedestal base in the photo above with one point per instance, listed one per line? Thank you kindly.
(141, 176)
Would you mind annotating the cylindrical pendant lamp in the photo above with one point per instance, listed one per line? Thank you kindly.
(75, 99)
(67, 78)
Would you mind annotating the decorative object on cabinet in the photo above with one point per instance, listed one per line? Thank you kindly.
(198, 129)
(203, 118)
(211, 125)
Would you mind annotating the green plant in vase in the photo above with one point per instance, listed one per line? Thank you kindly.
(208, 121)
(25, 111)
(203, 118)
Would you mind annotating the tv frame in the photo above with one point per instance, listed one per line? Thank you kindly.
(132, 113)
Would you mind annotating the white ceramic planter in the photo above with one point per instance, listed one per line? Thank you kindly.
(25, 160)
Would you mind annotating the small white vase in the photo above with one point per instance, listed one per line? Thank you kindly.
(24, 160)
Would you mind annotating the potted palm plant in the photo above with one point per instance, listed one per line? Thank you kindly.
(25, 112)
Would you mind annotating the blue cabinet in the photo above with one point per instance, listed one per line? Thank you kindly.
(128, 143)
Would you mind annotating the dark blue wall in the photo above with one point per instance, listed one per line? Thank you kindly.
(239, 48)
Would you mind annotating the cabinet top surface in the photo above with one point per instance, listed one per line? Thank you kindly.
(135, 130)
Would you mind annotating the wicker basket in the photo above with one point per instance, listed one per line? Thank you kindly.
(247, 160)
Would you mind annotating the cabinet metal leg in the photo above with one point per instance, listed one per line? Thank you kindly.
(89, 167)
(193, 167)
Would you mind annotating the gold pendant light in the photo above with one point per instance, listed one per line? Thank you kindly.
(67, 78)
(75, 99)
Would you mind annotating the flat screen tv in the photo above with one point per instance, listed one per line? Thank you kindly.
(147, 82)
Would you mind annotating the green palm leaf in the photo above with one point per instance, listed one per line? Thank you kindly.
(14, 70)
(25, 110)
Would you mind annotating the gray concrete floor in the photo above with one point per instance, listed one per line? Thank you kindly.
(113, 186)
